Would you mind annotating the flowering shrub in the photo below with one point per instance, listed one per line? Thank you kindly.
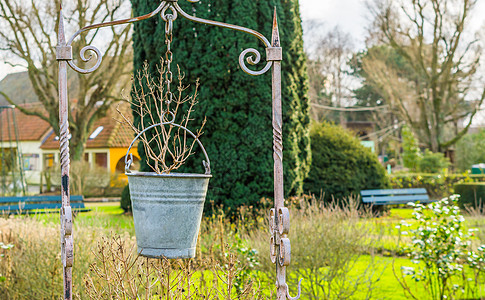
(441, 251)
(4, 262)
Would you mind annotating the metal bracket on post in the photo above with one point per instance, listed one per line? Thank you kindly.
(63, 52)
(274, 54)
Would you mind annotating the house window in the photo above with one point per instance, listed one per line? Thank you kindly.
(101, 159)
(31, 162)
(86, 157)
(48, 160)
(96, 132)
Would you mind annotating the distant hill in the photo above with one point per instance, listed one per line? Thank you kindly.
(18, 87)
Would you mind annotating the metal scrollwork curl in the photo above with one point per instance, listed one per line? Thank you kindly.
(253, 59)
(83, 57)
(272, 250)
(283, 220)
(285, 252)
(272, 222)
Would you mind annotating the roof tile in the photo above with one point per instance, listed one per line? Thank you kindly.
(29, 128)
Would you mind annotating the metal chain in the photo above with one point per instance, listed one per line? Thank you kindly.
(169, 56)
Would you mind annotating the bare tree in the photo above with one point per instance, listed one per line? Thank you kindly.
(330, 84)
(438, 89)
(28, 38)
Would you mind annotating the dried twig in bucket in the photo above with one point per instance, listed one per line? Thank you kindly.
(166, 146)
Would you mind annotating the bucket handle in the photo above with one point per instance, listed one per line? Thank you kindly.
(129, 161)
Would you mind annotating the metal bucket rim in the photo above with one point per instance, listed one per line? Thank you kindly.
(170, 175)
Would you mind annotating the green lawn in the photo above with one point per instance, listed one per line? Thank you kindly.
(401, 213)
(108, 215)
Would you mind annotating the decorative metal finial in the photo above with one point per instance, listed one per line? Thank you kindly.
(275, 38)
(61, 38)
(275, 53)
(63, 51)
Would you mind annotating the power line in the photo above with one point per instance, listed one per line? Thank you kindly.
(350, 109)
(385, 131)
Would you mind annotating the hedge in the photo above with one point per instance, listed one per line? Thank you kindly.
(437, 185)
(472, 195)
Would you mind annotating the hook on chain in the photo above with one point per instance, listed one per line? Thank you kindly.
(169, 25)
(128, 162)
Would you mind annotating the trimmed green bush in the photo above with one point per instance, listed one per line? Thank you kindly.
(472, 195)
(433, 162)
(125, 202)
(341, 166)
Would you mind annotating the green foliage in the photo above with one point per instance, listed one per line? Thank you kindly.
(470, 150)
(411, 154)
(248, 261)
(367, 94)
(341, 165)
(125, 202)
(433, 162)
(472, 195)
(427, 162)
(440, 248)
(238, 134)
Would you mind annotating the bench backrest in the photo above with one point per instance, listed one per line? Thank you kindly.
(395, 196)
(55, 198)
(38, 202)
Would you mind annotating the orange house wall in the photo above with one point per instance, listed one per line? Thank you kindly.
(115, 154)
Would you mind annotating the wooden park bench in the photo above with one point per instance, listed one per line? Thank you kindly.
(38, 204)
(394, 196)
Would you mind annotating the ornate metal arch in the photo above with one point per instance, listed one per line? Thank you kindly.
(169, 10)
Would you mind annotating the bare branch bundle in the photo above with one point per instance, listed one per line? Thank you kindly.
(167, 148)
(118, 273)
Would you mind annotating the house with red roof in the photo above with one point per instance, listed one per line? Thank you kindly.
(106, 146)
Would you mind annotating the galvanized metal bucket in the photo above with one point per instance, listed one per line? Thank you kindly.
(167, 208)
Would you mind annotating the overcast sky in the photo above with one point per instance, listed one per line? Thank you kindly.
(350, 15)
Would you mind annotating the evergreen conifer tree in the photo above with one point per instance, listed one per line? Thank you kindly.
(238, 134)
